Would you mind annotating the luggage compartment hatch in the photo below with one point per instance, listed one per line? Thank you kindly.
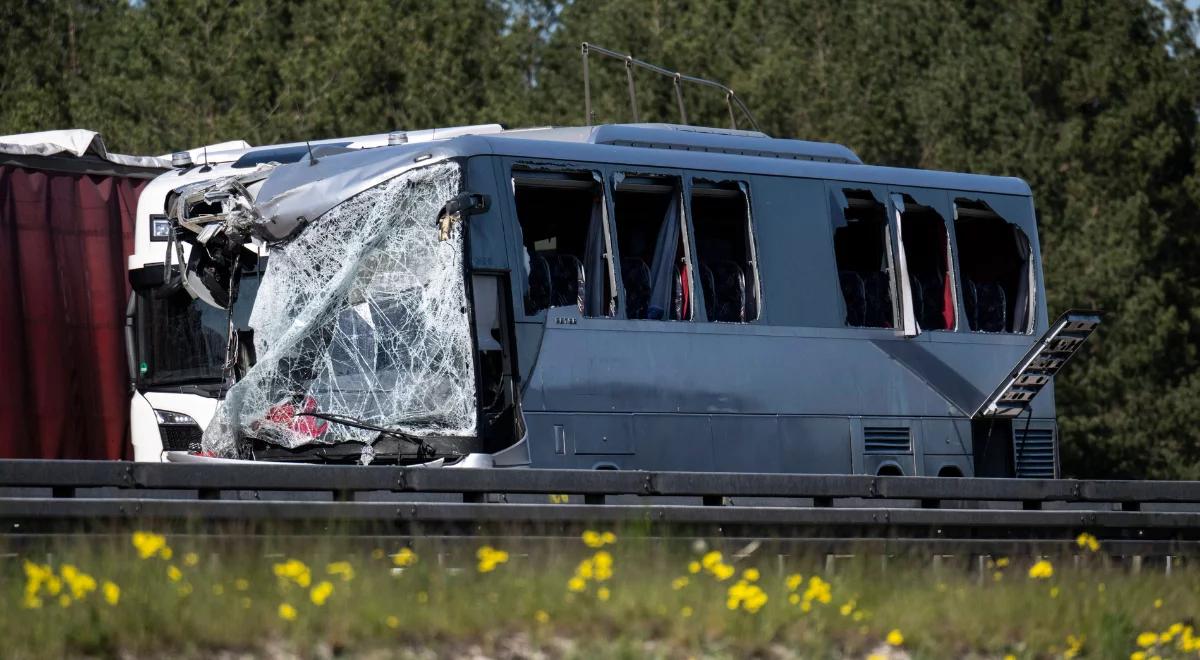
(1044, 359)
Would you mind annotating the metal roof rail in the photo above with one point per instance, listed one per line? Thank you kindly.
(677, 78)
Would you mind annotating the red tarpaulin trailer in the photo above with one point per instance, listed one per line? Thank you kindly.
(66, 225)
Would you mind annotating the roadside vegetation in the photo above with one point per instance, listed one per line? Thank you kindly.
(602, 595)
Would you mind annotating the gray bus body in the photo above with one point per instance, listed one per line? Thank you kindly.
(672, 298)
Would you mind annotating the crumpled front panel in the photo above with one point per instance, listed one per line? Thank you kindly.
(363, 315)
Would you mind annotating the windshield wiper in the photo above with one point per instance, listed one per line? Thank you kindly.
(424, 449)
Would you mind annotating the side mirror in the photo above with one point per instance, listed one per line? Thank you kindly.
(461, 205)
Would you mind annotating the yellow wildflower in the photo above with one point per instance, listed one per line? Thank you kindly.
(750, 597)
(1041, 570)
(1085, 540)
(294, 570)
(489, 558)
(320, 593)
(1002, 562)
(53, 584)
(166, 553)
(342, 568)
(174, 573)
(794, 581)
(794, 599)
(1147, 639)
(1054, 592)
(751, 574)
(31, 601)
(858, 615)
(406, 557)
(602, 563)
(1137, 655)
(392, 621)
(711, 559)
(894, 638)
(148, 544)
(191, 559)
(608, 537)
(723, 572)
(846, 609)
(592, 539)
(241, 584)
(686, 611)
(679, 583)
(377, 553)
(1157, 603)
(806, 606)
(112, 593)
(1074, 646)
(877, 656)
(541, 616)
(997, 576)
(693, 567)
(1009, 656)
(576, 584)
(602, 593)
(287, 612)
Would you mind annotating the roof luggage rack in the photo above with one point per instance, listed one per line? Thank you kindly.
(677, 79)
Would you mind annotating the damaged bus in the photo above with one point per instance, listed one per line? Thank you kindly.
(641, 296)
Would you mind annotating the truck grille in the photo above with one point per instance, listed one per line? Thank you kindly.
(180, 437)
(887, 440)
(1034, 457)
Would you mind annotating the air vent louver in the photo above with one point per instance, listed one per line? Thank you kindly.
(887, 440)
(1033, 453)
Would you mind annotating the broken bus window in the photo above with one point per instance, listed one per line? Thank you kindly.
(562, 220)
(864, 264)
(726, 262)
(996, 261)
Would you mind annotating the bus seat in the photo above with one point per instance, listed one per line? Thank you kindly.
(917, 292)
(730, 288)
(992, 307)
(680, 293)
(708, 284)
(567, 280)
(636, 276)
(929, 306)
(855, 296)
(538, 296)
(878, 291)
(971, 303)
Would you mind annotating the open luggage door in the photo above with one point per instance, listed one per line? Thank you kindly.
(1044, 359)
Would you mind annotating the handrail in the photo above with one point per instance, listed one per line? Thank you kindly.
(676, 77)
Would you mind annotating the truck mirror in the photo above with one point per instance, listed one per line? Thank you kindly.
(459, 206)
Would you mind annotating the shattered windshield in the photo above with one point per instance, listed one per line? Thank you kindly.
(363, 315)
(183, 339)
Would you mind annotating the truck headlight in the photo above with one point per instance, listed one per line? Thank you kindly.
(179, 431)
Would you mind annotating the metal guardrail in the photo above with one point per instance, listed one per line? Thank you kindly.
(1147, 517)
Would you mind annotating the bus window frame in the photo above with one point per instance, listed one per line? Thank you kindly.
(710, 181)
(509, 173)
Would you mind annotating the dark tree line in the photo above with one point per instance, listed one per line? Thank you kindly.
(1093, 102)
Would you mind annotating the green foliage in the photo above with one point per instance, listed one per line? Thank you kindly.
(1093, 103)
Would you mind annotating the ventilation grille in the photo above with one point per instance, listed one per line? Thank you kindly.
(887, 440)
(1033, 452)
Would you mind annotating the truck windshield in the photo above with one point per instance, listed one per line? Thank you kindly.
(183, 339)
